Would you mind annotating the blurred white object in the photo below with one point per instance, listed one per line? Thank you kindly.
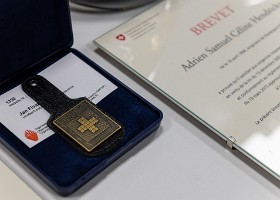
(112, 4)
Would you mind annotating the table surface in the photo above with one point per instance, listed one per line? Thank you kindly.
(182, 160)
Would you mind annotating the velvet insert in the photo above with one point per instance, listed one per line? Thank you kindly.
(34, 34)
(65, 168)
(31, 30)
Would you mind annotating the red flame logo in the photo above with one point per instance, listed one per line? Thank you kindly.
(31, 135)
(120, 37)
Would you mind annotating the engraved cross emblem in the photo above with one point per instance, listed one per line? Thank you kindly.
(88, 125)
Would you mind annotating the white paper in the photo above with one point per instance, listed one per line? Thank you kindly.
(19, 113)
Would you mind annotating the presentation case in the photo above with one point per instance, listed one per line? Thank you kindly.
(34, 35)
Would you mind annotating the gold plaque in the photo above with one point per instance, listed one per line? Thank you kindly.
(87, 125)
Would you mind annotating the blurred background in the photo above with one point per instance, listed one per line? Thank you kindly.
(109, 4)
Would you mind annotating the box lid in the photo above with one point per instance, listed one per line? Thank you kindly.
(31, 31)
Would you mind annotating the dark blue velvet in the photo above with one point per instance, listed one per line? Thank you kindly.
(31, 30)
(63, 167)
(33, 35)
(62, 162)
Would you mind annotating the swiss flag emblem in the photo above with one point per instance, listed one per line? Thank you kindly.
(120, 37)
(31, 135)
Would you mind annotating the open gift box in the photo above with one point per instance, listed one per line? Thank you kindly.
(36, 38)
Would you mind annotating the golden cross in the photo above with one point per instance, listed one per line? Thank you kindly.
(88, 125)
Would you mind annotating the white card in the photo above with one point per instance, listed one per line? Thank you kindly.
(27, 120)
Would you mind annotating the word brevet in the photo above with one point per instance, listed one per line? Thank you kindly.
(212, 20)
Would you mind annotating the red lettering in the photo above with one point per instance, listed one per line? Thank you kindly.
(196, 30)
(216, 17)
(229, 9)
(212, 20)
(226, 11)
(203, 26)
(223, 13)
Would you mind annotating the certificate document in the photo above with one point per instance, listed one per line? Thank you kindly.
(219, 60)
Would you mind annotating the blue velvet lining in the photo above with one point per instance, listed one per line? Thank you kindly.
(34, 34)
(61, 164)
(30, 31)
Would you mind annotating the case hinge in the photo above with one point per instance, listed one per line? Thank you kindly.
(230, 141)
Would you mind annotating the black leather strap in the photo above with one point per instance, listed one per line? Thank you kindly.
(57, 103)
